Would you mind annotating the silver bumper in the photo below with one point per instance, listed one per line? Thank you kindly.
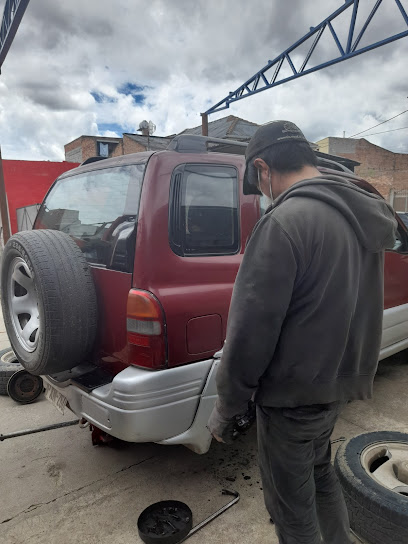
(142, 405)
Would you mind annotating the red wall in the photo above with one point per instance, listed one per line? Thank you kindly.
(28, 181)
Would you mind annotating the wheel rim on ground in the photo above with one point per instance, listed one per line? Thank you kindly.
(387, 464)
(23, 304)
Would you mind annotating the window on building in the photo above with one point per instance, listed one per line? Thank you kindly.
(204, 217)
(103, 149)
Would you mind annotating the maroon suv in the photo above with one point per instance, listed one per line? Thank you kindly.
(120, 295)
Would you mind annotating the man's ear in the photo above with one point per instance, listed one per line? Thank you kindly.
(260, 164)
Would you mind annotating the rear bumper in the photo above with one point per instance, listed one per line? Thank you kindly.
(142, 405)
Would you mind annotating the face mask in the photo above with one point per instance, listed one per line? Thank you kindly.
(266, 200)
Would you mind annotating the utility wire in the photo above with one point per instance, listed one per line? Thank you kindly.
(383, 131)
(391, 118)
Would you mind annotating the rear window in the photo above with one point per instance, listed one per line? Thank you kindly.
(204, 210)
(99, 210)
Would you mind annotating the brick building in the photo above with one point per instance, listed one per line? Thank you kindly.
(85, 147)
(387, 171)
(229, 127)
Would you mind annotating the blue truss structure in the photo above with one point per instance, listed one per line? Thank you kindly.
(13, 13)
(267, 77)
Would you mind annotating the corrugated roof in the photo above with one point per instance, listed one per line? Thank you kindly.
(156, 143)
(230, 127)
(233, 128)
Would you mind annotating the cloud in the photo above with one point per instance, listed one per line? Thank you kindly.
(102, 67)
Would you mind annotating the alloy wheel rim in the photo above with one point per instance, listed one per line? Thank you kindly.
(387, 464)
(23, 304)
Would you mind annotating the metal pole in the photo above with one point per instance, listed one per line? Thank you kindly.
(3, 205)
(236, 498)
(204, 124)
(39, 429)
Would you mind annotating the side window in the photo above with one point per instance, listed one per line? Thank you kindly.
(204, 210)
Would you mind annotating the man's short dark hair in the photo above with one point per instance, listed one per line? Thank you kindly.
(288, 156)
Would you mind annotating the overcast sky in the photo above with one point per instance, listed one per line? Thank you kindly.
(101, 67)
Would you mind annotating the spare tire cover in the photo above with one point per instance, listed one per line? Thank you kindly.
(48, 300)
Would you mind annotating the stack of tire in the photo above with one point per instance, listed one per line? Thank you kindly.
(9, 365)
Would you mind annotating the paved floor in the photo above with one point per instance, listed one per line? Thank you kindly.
(58, 488)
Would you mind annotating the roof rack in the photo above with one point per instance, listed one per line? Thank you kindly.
(191, 143)
(322, 161)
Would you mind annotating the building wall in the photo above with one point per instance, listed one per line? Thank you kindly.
(387, 171)
(74, 155)
(85, 147)
(73, 151)
(28, 181)
(131, 146)
(118, 151)
(88, 147)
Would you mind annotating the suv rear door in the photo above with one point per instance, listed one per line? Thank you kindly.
(98, 205)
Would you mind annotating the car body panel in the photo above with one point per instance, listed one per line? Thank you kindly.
(187, 287)
(141, 405)
(112, 289)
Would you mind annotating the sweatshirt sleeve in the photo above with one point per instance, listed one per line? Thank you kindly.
(260, 300)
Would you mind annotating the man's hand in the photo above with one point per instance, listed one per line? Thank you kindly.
(220, 427)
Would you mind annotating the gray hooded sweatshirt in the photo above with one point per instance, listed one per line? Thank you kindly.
(305, 320)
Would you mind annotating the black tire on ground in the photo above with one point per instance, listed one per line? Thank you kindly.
(9, 365)
(377, 514)
(66, 298)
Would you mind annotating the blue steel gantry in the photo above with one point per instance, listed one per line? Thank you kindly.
(267, 77)
(13, 13)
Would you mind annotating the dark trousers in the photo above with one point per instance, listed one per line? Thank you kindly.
(301, 490)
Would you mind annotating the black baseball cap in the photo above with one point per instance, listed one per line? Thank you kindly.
(267, 135)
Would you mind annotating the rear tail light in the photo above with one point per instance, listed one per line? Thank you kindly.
(146, 332)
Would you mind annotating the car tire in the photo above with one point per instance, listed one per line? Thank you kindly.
(377, 514)
(48, 301)
(9, 365)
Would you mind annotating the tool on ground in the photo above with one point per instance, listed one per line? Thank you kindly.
(24, 388)
(165, 522)
(206, 521)
(170, 522)
(39, 429)
(340, 439)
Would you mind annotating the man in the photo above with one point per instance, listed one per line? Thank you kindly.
(304, 327)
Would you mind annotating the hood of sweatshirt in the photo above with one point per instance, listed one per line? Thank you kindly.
(370, 216)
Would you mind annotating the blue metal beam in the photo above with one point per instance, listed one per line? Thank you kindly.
(12, 15)
(260, 81)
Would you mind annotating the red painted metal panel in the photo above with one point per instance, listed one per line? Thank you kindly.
(395, 279)
(187, 287)
(112, 289)
(28, 181)
(204, 333)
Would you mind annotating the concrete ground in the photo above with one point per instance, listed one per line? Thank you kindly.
(58, 488)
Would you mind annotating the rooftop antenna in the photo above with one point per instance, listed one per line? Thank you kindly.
(147, 128)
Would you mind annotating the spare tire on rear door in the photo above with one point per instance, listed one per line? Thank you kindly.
(373, 471)
(48, 300)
